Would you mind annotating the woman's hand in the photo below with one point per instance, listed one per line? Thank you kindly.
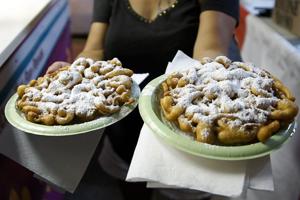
(56, 65)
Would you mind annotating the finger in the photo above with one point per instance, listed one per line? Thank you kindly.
(55, 66)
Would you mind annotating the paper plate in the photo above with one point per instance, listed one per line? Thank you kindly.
(16, 118)
(150, 111)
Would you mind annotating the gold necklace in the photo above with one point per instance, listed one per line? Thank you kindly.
(160, 10)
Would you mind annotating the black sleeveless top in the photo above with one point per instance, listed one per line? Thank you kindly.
(147, 46)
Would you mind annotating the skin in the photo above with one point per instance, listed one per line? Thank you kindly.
(214, 34)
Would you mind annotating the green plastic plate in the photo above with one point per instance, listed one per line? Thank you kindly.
(150, 111)
(16, 118)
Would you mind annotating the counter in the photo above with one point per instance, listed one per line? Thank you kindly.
(17, 19)
(34, 33)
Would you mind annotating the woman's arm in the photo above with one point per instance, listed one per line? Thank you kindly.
(214, 34)
(94, 46)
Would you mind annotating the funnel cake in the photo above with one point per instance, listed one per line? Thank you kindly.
(78, 93)
(227, 103)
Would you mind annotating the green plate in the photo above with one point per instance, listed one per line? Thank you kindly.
(16, 118)
(150, 111)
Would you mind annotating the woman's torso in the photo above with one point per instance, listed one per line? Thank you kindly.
(148, 46)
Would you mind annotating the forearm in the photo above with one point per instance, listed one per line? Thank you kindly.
(94, 47)
(94, 54)
(214, 35)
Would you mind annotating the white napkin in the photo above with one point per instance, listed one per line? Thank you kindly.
(61, 161)
(139, 78)
(164, 166)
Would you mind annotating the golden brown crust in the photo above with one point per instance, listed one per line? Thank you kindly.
(270, 99)
(171, 112)
(268, 130)
(80, 92)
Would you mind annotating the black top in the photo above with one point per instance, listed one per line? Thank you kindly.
(138, 43)
(145, 46)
